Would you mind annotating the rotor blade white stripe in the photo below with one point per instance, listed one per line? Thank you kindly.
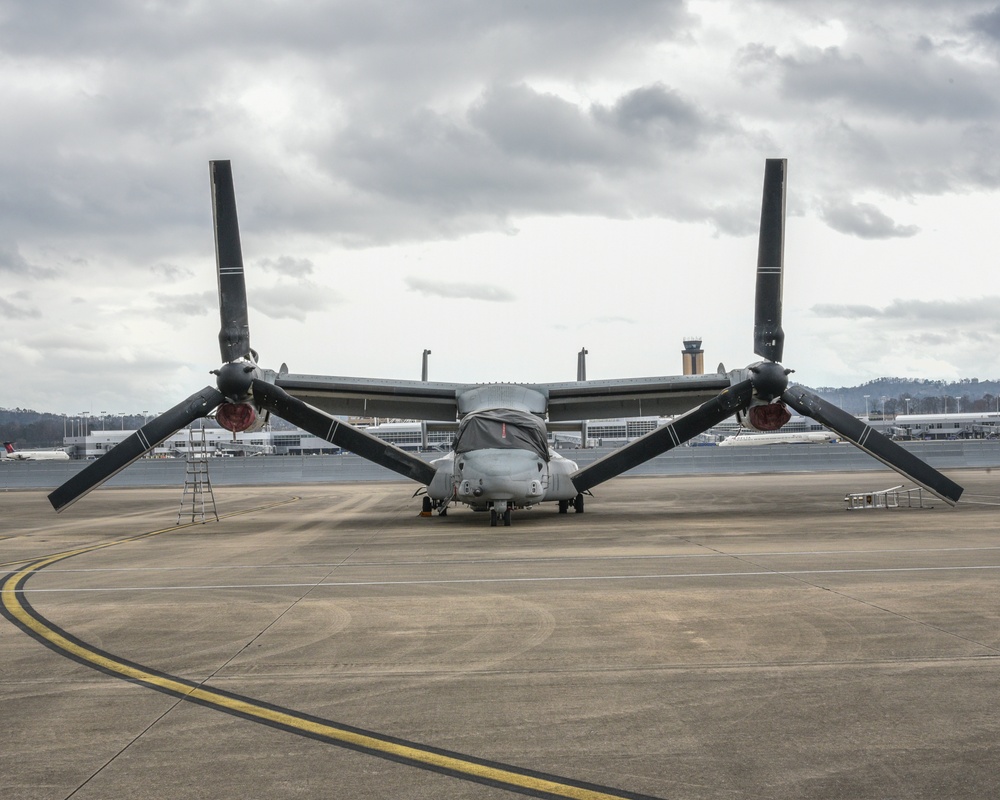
(673, 436)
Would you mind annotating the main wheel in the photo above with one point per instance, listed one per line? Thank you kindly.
(578, 504)
(493, 517)
(506, 518)
(563, 506)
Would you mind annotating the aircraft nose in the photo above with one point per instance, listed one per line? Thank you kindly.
(504, 475)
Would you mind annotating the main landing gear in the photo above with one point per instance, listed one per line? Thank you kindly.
(429, 505)
(496, 515)
(577, 505)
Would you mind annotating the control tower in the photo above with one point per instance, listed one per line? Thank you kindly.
(693, 356)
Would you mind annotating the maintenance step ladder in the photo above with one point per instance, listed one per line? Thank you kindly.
(886, 498)
(198, 498)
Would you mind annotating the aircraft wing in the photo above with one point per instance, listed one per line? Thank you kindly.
(375, 397)
(631, 397)
(433, 400)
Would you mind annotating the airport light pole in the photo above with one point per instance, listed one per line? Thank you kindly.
(866, 405)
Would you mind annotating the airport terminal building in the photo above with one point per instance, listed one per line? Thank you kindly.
(599, 433)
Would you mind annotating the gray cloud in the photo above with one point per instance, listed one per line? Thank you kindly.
(865, 221)
(292, 300)
(517, 151)
(286, 265)
(392, 162)
(11, 310)
(186, 305)
(460, 291)
(987, 24)
(393, 156)
(171, 273)
(537, 126)
(661, 115)
(12, 261)
(974, 312)
(920, 84)
(563, 27)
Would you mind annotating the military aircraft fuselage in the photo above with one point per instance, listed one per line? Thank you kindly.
(501, 478)
(501, 458)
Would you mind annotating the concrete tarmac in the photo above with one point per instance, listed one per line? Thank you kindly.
(685, 637)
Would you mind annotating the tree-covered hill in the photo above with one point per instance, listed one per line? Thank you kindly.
(925, 396)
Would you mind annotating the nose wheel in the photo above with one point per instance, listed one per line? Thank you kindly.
(497, 516)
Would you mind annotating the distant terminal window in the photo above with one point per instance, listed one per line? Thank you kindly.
(638, 427)
(608, 431)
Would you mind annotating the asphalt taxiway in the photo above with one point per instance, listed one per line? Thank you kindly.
(685, 637)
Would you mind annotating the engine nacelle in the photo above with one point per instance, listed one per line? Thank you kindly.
(762, 416)
(240, 417)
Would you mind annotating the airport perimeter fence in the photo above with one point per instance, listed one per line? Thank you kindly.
(947, 455)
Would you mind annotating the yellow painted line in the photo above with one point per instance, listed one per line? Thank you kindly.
(14, 606)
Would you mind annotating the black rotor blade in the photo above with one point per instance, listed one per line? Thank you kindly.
(664, 438)
(341, 433)
(132, 448)
(234, 335)
(768, 337)
(873, 443)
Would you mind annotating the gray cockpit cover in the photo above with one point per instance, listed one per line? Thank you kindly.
(502, 429)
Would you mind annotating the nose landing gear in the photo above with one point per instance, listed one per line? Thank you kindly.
(497, 514)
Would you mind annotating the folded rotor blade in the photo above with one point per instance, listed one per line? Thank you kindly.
(665, 437)
(132, 448)
(873, 443)
(768, 337)
(234, 335)
(341, 433)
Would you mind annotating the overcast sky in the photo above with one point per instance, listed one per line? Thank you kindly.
(500, 182)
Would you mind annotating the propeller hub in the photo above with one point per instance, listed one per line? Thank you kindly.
(234, 380)
(769, 380)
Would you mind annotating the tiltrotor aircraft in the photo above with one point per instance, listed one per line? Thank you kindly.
(500, 459)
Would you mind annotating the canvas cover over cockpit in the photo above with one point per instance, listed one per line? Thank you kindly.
(503, 429)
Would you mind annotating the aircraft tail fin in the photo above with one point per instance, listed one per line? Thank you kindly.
(9, 447)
